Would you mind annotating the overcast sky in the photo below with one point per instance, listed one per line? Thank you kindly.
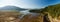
(29, 4)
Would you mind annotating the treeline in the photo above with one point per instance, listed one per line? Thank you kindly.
(53, 10)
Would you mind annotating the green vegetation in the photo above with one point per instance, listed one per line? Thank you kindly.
(53, 10)
(35, 10)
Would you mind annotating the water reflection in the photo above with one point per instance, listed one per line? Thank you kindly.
(26, 12)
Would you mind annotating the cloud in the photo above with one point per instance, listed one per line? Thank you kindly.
(29, 4)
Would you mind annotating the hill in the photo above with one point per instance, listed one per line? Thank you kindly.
(12, 8)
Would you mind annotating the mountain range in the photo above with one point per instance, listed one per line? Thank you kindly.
(12, 8)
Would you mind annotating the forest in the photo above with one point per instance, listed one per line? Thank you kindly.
(51, 10)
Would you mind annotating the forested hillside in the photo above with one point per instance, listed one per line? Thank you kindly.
(52, 12)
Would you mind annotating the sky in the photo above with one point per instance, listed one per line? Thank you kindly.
(28, 4)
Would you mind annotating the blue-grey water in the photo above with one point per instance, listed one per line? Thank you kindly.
(26, 12)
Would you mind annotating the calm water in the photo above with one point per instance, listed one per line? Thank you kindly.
(26, 12)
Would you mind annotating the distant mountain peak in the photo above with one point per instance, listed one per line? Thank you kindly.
(12, 8)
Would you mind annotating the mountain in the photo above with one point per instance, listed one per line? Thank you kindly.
(12, 8)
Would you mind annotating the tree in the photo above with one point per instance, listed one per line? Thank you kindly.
(54, 10)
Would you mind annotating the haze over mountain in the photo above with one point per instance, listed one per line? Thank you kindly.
(12, 8)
